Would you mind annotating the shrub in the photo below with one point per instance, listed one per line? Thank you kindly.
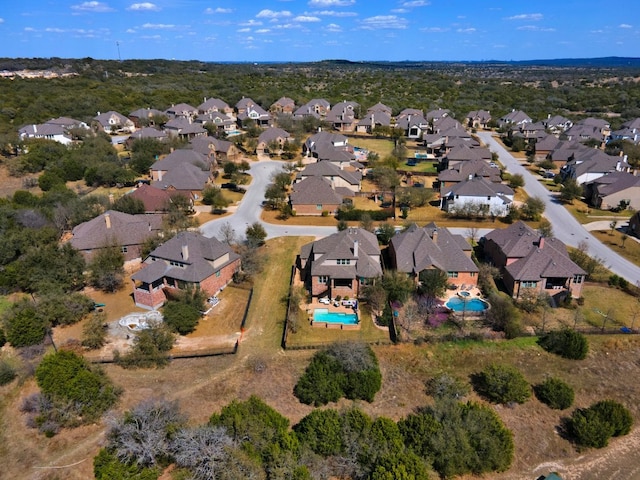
(354, 214)
(7, 372)
(555, 393)
(94, 332)
(445, 386)
(321, 430)
(149, 349)
(502, 384)
(23, 325)
(593, 426)
(566, 343)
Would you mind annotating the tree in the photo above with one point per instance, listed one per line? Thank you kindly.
(446, 387)
(94, 332)
(203, 450)
(182, 314)
(70, 383)
(503, 316)
(385, 233)
(398, 285)
(545, 229)
(106, 466)
(591, 264)
(566, 343)
(143, 435)
(376, 297)
(180, 213)
(502, 384)
(228, 234)
(129, 204)
(432, 282)
(555, 393)
(516, 180)
(593, 426)
(106, 269)
(274, 195)
(149, 349)
(321, 431)
(570, 190)
(22, 324)
(212, 195)
(533, 208)
(256, 234)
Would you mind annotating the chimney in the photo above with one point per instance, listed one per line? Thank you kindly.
(355, 248)
(107, 220)
(111, 199)
(541, 243)
(35, 128)
(470, 176)
(434, 235)
(185, 251)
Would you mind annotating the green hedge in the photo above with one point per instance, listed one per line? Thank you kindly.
(356, 214)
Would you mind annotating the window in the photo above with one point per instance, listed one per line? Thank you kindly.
(176, 264)
(124, 249)
(452, 274)
(365, 281)
(578, 278)
(218, 273)
(319, 206)
(530, 284)
(472, 274)
(323, 279)
(344, 261)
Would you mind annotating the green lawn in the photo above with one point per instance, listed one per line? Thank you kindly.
(630, 248)
(381, 146)
(426, 166)
(602, 298)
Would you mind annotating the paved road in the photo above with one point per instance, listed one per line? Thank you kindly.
(565, 226)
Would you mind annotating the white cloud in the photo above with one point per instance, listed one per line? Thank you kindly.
(131, 30)
(535, 28)
(466, 30)
(211, 11)
(331, 3)
(334, 28)
(151, 37)
(1, 20)
(251, 23)
(144, 7)
(159, 26)
(306, 18)
(263, 30)
(625, 25)
(416, 3)
(527, 16)
(434, 29)
(29, 29)
(399, 10)
(243, 30)
(54, 30)
(334, 13)
(273, 14)
(97, 7)
(383, 21)
(287, 26)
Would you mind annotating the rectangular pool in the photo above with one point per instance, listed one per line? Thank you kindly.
(323, 315)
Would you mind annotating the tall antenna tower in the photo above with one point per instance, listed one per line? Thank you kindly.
(118, 45)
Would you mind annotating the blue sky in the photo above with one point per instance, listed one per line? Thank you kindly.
(309, 30)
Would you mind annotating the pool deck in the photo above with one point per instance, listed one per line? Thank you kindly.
(474, 293)
(310, 307)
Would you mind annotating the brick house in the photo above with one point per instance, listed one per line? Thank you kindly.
(313, 196)
(340, 264)
(530, 262)
(432, 247)
(187, 260)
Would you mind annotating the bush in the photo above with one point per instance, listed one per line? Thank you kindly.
(7, 372)
(321, 431)
(593, 426)
(23, 325)
(354, 214)
(94, 332)
(502, 384)
(149, 349)
(555, 393)
(566, 343)
(445, 386)
(344, 370)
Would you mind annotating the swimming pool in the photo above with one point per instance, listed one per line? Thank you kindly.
(323, 315)
(473, 305)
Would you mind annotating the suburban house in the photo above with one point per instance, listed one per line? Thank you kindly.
(147, 132)
(113, 122)
(283, 105)
(328, 146)
(144, 117)
(464, 153)
(345, 181)
(371, 120)
(557, 124)
(46, 131)
(477, 196)
(184, 172)
(224, 122)
(223, 149)
(412, 122)
(184, 128)
(318, 108)
(380, 107)
(314, 196)
(591, 163)
(188, 260)
(613, 190)
(532, 263)
(628, 131)
(113, 228)
(342, 116)
(535, 130)
(250, 110)
(545, 145)
(465, 170)
(272, 140)
(514, 118)
(211, 105)
(205, 146)
(154, 199)
(478, 118)
(434, 116)
(431, 247)
(181, 110)
(340, 264)
(581, 132)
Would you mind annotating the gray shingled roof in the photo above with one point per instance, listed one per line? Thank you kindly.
(415, 250)
(180, 157)
(473, 168)
(202, 251)
(314, 191)
(542, 263)
(327, 169)
(273, 133)
(113, 227)
(186, 177)
(478, 187)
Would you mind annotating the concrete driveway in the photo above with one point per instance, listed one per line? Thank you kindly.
(565, 226)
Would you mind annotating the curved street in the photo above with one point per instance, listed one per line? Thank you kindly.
(565, 226)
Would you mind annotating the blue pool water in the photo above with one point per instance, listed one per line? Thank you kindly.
(323, 315)
(474, 305)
